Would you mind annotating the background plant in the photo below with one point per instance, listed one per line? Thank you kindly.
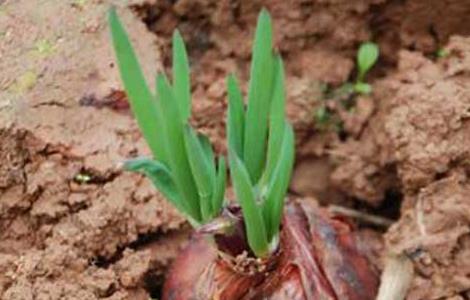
(367, 56)
(325, 117)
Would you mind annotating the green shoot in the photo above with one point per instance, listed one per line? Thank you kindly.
(277, 186)
(254, 223)
(82, 178)
(183, 166)
(200, 167)
(181, 80)
(261, 143)
(235, 116)
(143, 103)
(175, 144)
(259, 96)
(322, 116)
(366, 58)
(442, 52)
(219, 187)
(345, 94)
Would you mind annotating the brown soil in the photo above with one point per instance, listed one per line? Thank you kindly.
(74, 226)
(422, 135)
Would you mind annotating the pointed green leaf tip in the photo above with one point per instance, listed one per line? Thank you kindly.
(259, 98)
(276, 121)
(142, 101)
(181, 76)
(366, 58)
(236, 116)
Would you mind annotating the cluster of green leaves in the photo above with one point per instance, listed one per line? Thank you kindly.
(183, 167)
(261, 142)
(366, 58)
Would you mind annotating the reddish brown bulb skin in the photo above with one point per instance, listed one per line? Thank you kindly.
(318, 259)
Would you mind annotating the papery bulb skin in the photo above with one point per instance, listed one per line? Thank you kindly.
(192, 263)
(317, 259)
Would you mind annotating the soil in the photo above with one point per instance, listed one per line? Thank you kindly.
(73, 225)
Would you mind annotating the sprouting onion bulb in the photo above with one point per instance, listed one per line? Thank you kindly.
(183, 167)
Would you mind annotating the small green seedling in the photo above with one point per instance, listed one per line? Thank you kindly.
(322, 116)
(44, 47)
(442, 52)
(260, 140)
(261, 143)
(24, 82)
(79, 3)
(366, 58)
(82, 178)
(183, 166)
(345, 94)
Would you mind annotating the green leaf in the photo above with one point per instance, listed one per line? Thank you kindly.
(276, 122)
(259, 98)
(254, 223)
(202, 174)
(366, 58)
(181, 76)
(322, 115)
(219, 188)
(178, 161)
(236, 116)
(160, 176)
(273, 206)
(362, 88)
(142, 101)
(209, 153)
(442, 52)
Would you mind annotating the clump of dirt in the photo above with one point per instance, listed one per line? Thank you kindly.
(429, 128)
(364, 166)
(414, 139)
(416, 143)
(427, 121)
(419, 25)
(435, 232)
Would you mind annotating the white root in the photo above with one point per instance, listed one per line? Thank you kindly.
(360, 216)
(396, 278)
